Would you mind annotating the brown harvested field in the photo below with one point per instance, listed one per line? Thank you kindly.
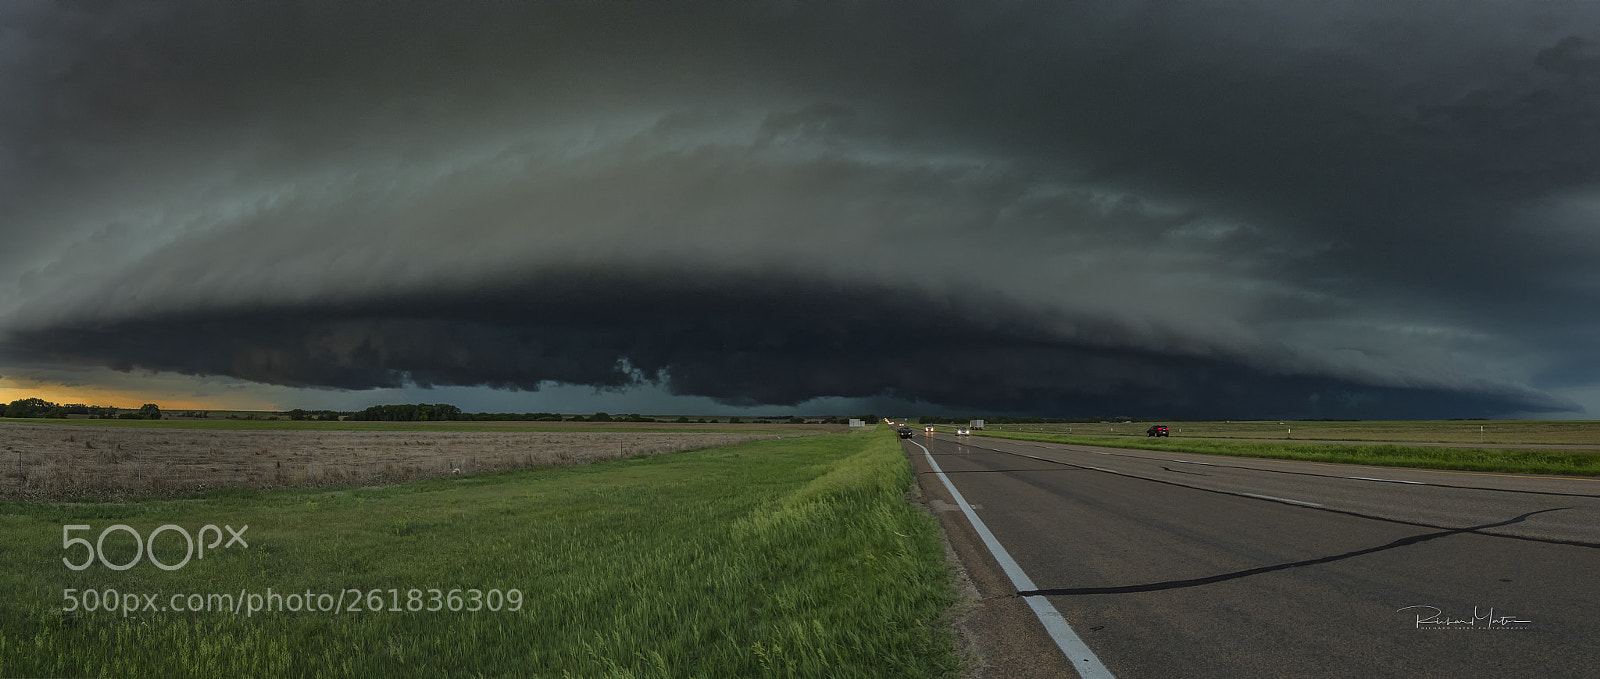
(51, 462)
(260, 424)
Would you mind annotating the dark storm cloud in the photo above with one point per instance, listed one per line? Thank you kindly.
(1171, 207)
(749, 341)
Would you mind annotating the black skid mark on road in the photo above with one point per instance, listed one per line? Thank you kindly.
(1184, 471)
(1346, 512)
(1195, 582)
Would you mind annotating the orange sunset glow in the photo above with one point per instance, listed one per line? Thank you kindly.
(126, 398)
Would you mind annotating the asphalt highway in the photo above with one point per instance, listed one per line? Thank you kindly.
(1187, 565)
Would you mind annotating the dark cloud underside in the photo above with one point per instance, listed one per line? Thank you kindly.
(741, 342)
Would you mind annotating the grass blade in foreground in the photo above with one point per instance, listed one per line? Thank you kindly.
(796, 557)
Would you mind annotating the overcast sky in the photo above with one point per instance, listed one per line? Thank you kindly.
(1170, 209)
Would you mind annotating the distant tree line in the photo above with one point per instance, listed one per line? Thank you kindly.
(408, 412)
(1006, 419)
(40, 408)
(321, 415)
(435, 412)
(404, 412)
(426, 412)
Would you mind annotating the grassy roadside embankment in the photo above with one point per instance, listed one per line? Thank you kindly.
(795, 557)
(1461, 459)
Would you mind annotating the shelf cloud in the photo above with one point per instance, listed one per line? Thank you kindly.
(1196, 209)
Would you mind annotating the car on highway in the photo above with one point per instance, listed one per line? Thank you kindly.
(928, 429)
(1158, 430)
(963, 432)
(905, 432)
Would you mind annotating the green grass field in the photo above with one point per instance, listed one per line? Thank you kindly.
(1560, 432)
(797, 557)
(1566, 463)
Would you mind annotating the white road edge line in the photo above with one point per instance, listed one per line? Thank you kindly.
(1083, 660)
(1283, 499)
(1368, 478)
